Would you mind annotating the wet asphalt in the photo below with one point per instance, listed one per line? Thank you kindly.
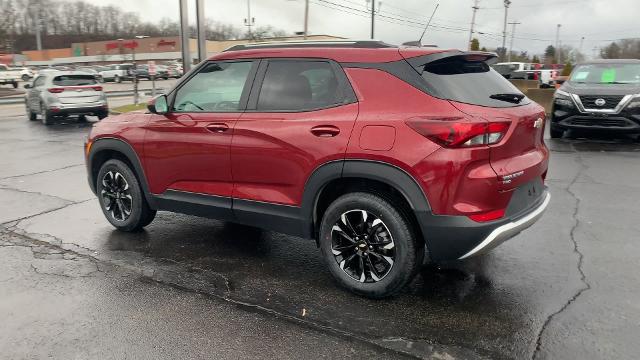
(72, 287)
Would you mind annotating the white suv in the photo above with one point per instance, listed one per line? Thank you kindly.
(62, 93)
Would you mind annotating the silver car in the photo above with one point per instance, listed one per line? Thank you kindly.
(58, 94)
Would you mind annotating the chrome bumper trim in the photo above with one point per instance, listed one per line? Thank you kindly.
(508, 230)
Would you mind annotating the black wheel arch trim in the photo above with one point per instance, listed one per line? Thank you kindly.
(124, 148)
(359, 168)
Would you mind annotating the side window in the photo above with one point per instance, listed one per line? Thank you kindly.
(39, 81)
(298, 86)
(217, 87)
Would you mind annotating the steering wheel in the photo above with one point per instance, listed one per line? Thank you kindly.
(227, 105)
(188, 102)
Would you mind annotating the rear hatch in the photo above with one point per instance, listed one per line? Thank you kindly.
(76, 89)
(467, 81)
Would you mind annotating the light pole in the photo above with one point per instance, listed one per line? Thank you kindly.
(504, 29)
(249, 21)
(134, 44)
(513, 35)
(558, 52)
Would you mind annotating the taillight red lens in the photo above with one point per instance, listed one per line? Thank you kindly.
(97, 88)
(488, 216)
(460, 132)
(56, 90)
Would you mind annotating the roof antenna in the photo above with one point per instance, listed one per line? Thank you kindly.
(419, 42)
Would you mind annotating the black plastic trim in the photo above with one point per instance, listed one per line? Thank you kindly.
(205, 205)
(121, 146)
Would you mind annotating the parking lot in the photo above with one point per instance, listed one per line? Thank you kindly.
(73, 287)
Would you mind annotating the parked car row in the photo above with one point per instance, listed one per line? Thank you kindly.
(545, 74)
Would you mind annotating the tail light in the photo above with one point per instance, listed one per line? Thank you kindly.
(56, 90)
(458, 132)
(97, 88)
(488, 216)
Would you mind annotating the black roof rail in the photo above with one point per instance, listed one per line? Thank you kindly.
(362, 44)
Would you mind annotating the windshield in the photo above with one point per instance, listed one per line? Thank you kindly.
(471, 82)
(74, 80)
(606, 74)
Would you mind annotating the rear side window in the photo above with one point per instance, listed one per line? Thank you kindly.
(470, 82)
(291, 85)
(74, 80)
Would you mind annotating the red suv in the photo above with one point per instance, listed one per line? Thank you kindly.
(386, 156)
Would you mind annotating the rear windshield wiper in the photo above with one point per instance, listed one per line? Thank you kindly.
(512, 98)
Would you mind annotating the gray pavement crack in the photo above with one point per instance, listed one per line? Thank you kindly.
(17, 221)
(40, 172)
(7, 187)
(576, 249)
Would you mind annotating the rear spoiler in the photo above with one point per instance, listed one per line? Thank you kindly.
(418, 62)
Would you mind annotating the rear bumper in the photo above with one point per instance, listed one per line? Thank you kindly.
(79, 109)
(458, 237)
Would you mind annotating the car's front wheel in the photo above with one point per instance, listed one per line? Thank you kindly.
(121, 198)
(369, 245)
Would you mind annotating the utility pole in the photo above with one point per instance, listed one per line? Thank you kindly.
(504, 29)
(475, 8)
(249, 21)
(306, 18)
(513, 34)
(581, 43)
(185, 35)
(373, 15)
(38, 24)
(201, 30)
(558, 53)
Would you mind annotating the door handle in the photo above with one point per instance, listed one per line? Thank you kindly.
(325, 131)
(217, 127)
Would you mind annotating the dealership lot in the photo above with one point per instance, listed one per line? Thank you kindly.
(565, 288)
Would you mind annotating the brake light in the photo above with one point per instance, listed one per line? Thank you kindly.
(488, 216)
(56, 90)
(97, 88)
(458, 132)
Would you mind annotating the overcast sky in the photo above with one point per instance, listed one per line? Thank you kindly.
(599, 21)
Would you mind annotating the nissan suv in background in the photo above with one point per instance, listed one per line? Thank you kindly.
(58, 94)
(387, 157)
(601, 95)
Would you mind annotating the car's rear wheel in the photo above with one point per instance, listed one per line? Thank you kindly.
(25, 77)
(368, 245)
(117, 79)
(555, 133)
(47, 118)
(103, 114)
(121, 198)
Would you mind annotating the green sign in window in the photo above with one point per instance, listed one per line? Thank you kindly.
(608, 76)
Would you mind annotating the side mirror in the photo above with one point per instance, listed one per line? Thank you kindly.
(158, 105)
(28, 86)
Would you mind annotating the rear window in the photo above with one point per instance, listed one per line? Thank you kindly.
(74, 80)
(470, 82)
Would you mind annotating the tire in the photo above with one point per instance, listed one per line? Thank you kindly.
(26, 77)
(102, 115)
(389, 235)
(30, 114)
(555, 132)
(117, 79)
(14, 84)
(113, 196)
(47, 119)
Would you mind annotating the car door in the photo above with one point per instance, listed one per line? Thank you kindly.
(187, 149)
(299, 116)
(35, 91)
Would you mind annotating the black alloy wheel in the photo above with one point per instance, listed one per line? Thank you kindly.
(116, 196)
(362, 246)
